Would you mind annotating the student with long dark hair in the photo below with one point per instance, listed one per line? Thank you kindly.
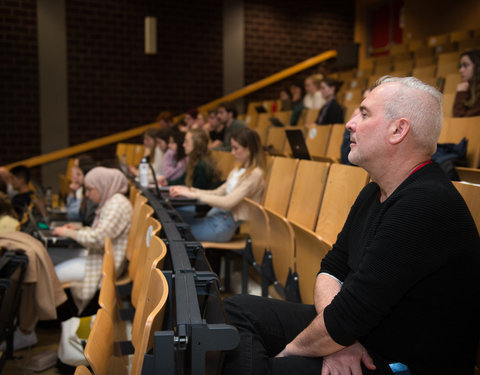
(229, 210)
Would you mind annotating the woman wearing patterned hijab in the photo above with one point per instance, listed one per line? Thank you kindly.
(106, 187)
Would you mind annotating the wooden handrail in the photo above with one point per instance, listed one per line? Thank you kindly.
(118, 137)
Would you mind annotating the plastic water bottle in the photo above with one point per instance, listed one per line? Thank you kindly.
(143, 173)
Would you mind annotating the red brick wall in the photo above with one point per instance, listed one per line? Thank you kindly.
(114, 86)
(19, 105)
(279, 34)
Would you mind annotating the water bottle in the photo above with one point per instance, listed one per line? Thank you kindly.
(143, 173)
(48, 197)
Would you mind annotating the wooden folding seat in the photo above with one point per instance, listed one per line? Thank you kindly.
(364, 72)
(349, 110)
(263, 124)
(469, 43)
(276, 138)
(108, 296)
(400, 73)
(383, 65)
(398, 49)
(283, 116)
(82, 370)
(224, 161)
(333, 152)
(99, 350)
(145, 212)
(278, 190)
(252, 115)
(456, 128)
(259, 231)
(303, 208)
(448, 100)
(311, 116)
(471, 195)
(471, 175)
(133, 240)
(307, 192)
(424, 71)
(460, 35)
(150, 313)
(147, 231)
(344, 183)
(317, 140)
(155, 257)
(451, 82)
(365, 66)
(415, 45)
(438, 40)
(447, 63)
(352, 96)
(310, 250)
(403, 65)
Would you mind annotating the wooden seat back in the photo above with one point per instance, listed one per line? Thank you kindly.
(132, 241)
(317, 140)
(150, 228)
(344, 183)
(307, 192)
(259, 229)
(455, 128)
(309, 252)
(150, 312)
(280, 183)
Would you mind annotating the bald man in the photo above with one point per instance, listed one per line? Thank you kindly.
(399, 291)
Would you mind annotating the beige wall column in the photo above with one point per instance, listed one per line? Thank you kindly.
(52, 66)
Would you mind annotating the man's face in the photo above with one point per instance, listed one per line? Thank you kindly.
(223, 115)
(16, 182)
(368, 128)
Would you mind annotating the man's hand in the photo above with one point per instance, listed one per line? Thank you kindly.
(347, 361)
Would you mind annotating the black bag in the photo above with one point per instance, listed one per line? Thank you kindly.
(450, 155)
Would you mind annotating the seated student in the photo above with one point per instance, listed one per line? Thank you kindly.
(229, 211)
(467, 98)
(190, 118)
(296, 91)
(80, 208)
(313, 97)
(161, 141)
(331, 112)
(175, 160)
(20, 178)
(165, 120)
(152, 152)
(285, 100)
(400, 288)
(201, 172)
(216, 130)
(227, 115)
(107, 188)
(8, 217)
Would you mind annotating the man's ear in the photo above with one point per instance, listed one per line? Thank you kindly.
(399, 130)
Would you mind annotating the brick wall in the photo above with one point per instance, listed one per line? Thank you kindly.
(19, 105)
(114, 86)
(279, 34)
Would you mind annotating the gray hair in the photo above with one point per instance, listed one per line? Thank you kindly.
(421, 104)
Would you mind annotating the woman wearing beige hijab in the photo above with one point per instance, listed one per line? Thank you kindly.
(106, 187)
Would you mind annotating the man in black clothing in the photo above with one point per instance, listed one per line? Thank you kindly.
(400, 289)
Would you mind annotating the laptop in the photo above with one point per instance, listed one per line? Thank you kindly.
(276, 122)
(297, 144)
(175, 201)
(47, 236)
(260, 109)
